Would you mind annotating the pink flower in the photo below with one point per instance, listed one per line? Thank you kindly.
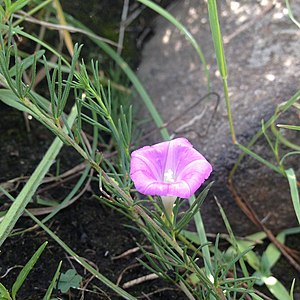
(172, 168)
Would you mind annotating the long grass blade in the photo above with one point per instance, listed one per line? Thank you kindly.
(219, 50)
(53, 282)
(292, 127)
(18, 206)
(62, 21)
(260, 159)
(203, 240)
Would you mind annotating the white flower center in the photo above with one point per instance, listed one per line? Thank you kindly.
(169, 176)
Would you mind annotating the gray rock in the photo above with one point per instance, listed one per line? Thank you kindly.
(262, 52)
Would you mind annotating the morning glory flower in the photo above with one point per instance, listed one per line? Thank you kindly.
(169, 169)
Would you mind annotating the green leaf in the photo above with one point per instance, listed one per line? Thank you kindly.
(272, 254)
(255, 297)
(248, 241)
(252, 259)
(68, 280)
(4, 294)
(27, 62)
(10, 99)
(291, 176)
(276, 288)
(7, 3)
(53, 282)
(26, 269)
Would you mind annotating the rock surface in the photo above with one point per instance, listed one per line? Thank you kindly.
(262, 51)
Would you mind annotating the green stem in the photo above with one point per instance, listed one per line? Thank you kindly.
(227, 101)
(203, 240)
(220, 55)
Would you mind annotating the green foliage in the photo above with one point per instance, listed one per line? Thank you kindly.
(220, 55)
(18, 206)
(68, 280)
(60, 89)
(201, 273)
(11, 7)
(4, 293)
(287, 3)
(264, 263)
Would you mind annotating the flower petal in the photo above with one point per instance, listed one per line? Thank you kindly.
(151, 165)
(195, 173)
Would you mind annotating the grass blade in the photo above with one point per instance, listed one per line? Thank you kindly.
(260, 159)
(53, 282)
(203, 240)
(291, 176)
(26, 269)
(219, 50)
(292, 127)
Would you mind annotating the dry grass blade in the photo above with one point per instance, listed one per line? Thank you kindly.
(139, 280)
(66, 34)
(69, 28)
(122, 26)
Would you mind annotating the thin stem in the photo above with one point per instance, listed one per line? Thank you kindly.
(227, 101)
(203, 240)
